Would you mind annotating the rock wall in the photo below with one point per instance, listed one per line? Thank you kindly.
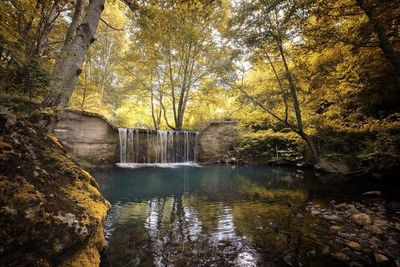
(216, 139)
(89, 138)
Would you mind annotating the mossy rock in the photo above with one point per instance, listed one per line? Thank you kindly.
(52, 211)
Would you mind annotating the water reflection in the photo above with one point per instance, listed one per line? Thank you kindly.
(212, 216)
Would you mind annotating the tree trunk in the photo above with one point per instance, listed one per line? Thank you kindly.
(292, 87)
(73, 26)
(311, 146)
(153, 110)
(293, 94)
(384, 41)
(68, 66)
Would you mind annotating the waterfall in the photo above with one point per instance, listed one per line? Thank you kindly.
(143, 146)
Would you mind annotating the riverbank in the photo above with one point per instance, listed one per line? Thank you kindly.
(370, 150)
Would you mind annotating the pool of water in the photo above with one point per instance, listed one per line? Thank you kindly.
(219, 216)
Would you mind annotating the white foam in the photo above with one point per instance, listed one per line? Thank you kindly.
(158, 165)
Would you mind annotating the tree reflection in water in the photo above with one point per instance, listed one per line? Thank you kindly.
(213, 216)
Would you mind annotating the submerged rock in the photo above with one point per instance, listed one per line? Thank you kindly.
(353, 245)
(380, 258)
(332, 217)
(341, 256)
(368, 236)
(335, 228)
(373, 228)
(361, 219)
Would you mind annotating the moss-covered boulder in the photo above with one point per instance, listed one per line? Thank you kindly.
(51, 210)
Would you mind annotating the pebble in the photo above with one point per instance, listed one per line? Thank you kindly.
(315, 212)
(397, 226)
(345, 235)
(373, 228)
(340, 256)
(341, 206)
(326, 250)
(353, 245)
(356, 264)
(351, 211)
(381, 223)
(331, 217)
(374, 240)
(380, 258)
(361, 219)
(335, 228)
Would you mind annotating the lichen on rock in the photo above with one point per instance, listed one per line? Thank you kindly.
(52, 212)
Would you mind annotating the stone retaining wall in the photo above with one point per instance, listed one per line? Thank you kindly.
(216, 139)
(89, 138)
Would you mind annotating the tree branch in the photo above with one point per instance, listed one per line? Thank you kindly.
(108, 25)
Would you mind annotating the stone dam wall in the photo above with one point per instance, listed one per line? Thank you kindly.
(89, 138)
(92, 140)
(216, 139)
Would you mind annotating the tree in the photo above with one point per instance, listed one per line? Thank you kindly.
(47, 24)
(267, 27)
(24, 39)
(379, 30)
(181, 40)
(68, 66)
(345, 69)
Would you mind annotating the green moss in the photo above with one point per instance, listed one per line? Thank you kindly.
(262, 146)
(88, 256)
(54, 139)
(51, 208)
(86, 196)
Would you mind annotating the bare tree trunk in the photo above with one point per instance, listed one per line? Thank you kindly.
(384, 41)
(187, 91)
(184, 88)
(292, 88)
(152, 109)
(68, 67)
(172, 85)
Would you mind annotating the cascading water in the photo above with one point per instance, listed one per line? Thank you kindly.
(150, 147)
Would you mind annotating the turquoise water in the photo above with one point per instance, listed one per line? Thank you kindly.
(219, 216)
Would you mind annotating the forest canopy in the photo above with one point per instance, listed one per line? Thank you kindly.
(317, 69)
